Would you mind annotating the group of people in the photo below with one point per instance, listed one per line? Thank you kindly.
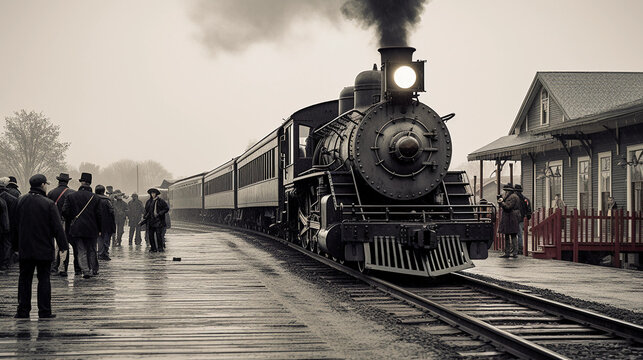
(515, 208)
(84, 219)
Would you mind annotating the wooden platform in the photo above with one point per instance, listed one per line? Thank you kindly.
(210, 305)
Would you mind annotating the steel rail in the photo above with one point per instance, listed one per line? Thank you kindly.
(620, 328)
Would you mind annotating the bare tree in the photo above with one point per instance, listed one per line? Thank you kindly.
(29, 145)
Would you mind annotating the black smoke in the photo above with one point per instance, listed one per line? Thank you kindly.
(234, 25)
(392, 19)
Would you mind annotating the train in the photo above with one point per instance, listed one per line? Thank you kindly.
(363, 179)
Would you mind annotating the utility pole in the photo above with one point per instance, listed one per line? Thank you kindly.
(137, 191)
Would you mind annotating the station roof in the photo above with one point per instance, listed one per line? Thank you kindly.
(587, 99)
(512, 146)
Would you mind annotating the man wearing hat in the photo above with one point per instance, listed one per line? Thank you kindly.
(6, 238)
(58, 196)
(120, 214)
(525, 212)
(510, 205)
(12, 187)
(37, 218)
(155, 210)
(81, 210)
(135, 211)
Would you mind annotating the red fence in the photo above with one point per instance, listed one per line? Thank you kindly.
(551, 232)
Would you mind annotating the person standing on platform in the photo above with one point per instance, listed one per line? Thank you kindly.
(5, 227)
(108, 224)
(120, 214)
(7, 238)
(135, 211)
(12, 187)
(510, 205)
(525, 212)
(82, 213)
(58, 196)
(38, 222)
(155, 210)
(558, 203)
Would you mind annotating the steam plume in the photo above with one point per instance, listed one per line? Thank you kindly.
(393, 19)
(233, 25)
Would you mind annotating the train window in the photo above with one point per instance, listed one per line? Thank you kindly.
(304, 131)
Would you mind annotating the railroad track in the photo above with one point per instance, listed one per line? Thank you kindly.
(520, 324)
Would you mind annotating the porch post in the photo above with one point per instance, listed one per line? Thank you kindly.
(481, 180)
(511, 173)
(617, 218)
(498, 176)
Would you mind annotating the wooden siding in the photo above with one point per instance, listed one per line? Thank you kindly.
(600, 142)
(526, 177)
(534, 112)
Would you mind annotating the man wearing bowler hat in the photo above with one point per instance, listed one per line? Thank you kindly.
(58, 196)
(12, 187)
(81, 210)
(38, 221)
(155, 210)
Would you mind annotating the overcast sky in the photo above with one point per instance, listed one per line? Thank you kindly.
(133, 79)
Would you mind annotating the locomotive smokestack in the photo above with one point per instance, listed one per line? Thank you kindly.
(397, 54)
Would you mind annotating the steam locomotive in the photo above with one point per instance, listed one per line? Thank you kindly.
(363, 179)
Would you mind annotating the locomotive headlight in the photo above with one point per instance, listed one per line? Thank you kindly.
(404, 77)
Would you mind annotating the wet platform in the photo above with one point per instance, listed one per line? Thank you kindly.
(228, 298)
(620, 288)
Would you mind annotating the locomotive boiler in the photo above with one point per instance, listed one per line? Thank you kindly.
(379, 192)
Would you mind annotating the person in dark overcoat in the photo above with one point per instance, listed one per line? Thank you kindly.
(135, 211)
(11, 233)
(155, 210)
(120, 215)
(82, 212)
(38, 223)
(12, 187)
(58, 196)
(108, 225)
(510, 205)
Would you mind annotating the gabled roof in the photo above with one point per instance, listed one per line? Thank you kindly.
(583, 95)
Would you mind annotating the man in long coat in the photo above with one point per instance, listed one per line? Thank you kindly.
(38, 223)
(510, 206)
(120, 215)
(10, 232)
(108, 224)
(82, 212)
(135, 211)
(58, 196)
(155, 210)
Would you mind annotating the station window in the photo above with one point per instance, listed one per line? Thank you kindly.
(544, 107)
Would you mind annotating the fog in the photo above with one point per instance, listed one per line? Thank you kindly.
(143, 80)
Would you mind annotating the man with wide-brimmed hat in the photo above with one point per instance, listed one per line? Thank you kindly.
(120, 214)
(510, 205)
(6, 237)
(58, 196)
(35, 229)
(81, 210)
(155, 210)
(12, 187)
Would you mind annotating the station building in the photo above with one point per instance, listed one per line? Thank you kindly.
(578, 135)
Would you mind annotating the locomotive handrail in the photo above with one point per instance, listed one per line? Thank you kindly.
(477, 212)
(345, 115)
